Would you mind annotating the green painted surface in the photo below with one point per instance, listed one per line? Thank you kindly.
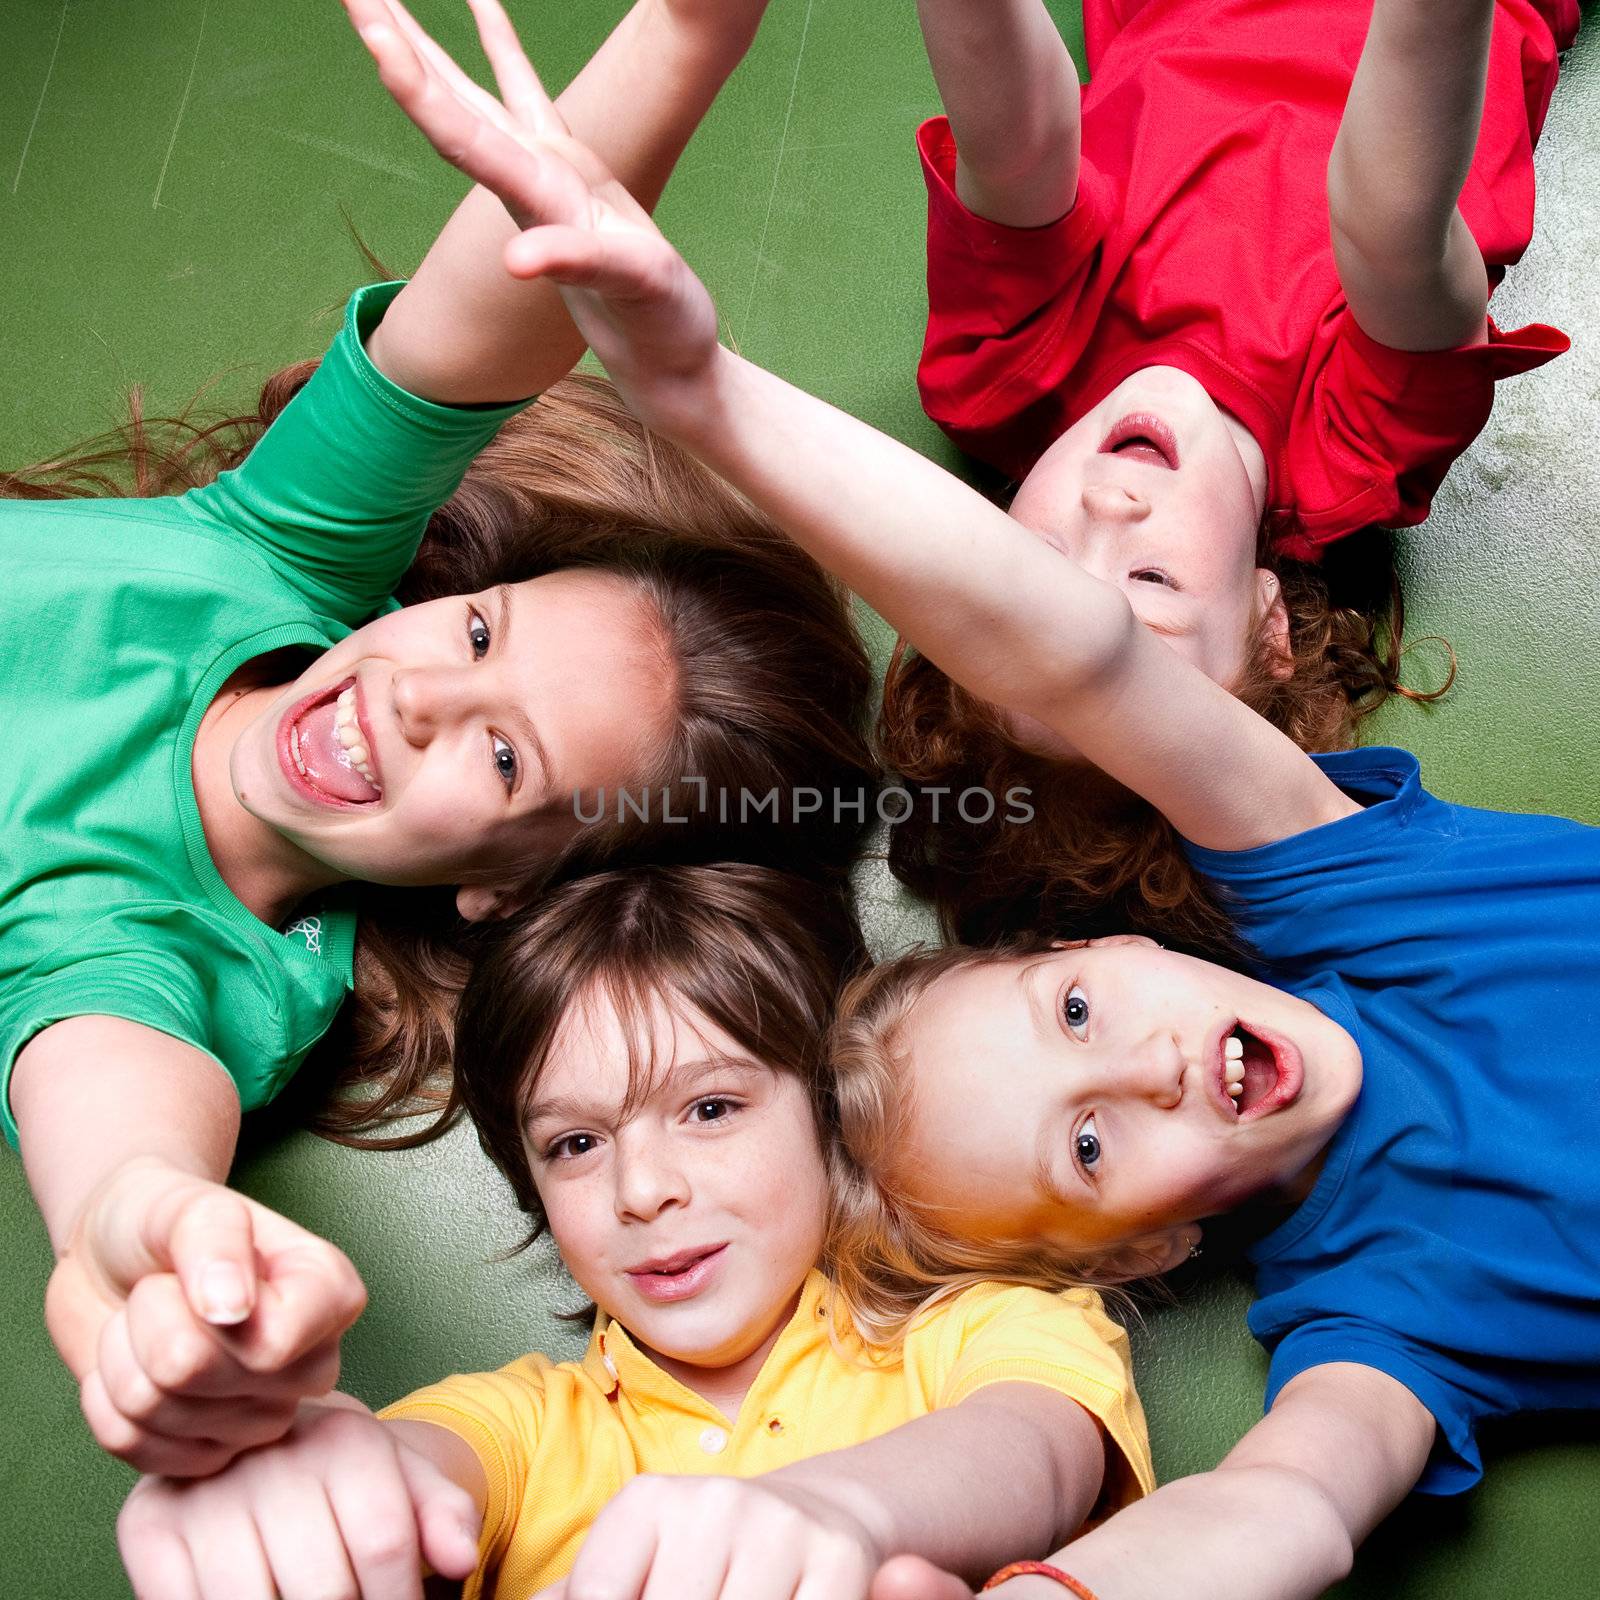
(173, 184)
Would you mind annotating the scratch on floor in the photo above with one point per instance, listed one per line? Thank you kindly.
(55, 50)
(183, 105)
(777, 172)
(347, 152)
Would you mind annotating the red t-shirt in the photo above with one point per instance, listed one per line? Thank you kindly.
(1200, 240)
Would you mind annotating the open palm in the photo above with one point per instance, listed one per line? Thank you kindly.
(632, 296)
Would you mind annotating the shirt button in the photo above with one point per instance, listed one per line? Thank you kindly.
(775, 1425)
(713, 1441)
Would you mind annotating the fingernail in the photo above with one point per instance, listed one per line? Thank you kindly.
(222, 1293)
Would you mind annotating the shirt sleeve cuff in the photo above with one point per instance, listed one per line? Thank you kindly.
(364, 311)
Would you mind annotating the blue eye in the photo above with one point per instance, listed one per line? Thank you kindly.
(505, 760)
(1075, 1011)
(1086, 1145)
(478, 635)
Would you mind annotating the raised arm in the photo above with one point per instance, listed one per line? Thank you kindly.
(1279, 1519)
(1008, 617)
(1016, 1466)
(463, 331)
(1010, 90)
(1407, 261)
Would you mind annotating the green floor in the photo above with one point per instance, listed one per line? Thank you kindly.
(174, 182)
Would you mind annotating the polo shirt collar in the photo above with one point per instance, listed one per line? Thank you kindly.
(613, 1361)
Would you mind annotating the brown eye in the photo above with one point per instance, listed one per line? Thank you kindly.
(1152, 575)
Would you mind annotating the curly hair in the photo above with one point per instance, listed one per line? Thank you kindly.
(1095, 858)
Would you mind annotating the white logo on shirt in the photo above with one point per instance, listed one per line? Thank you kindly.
(309, 929)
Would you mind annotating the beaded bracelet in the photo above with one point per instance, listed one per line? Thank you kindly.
(1042, 1569)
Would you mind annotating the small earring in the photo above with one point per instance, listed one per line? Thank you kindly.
(1194, 1252)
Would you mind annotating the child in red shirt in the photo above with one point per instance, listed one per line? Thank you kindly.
(1198, 239)
(1221, 308)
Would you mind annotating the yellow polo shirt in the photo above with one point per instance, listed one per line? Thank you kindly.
(558, 1440)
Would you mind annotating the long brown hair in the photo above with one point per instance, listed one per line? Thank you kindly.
(773, 682)
(760, 953)
(1095, 858)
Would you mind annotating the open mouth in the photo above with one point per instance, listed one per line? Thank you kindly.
(1259, 1072)
(1139, 436)
(325, 750)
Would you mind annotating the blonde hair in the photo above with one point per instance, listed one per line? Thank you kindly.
(890, 1258)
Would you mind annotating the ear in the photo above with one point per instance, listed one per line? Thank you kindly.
(1151, 1254)
(1272, 624)
(478, 902)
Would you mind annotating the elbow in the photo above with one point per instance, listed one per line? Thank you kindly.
(1081, 660)
(1330, 1548)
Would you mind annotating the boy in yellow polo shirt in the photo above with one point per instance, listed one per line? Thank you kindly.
(643, 1059)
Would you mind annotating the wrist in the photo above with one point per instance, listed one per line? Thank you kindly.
(851, 1505)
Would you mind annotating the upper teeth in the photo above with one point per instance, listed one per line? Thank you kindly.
(349, 733)
(1233, 1065)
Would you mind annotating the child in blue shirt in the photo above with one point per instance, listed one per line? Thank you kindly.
(1429, 1108)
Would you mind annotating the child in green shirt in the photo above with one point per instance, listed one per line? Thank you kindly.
(217, 715)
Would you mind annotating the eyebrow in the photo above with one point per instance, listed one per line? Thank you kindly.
(1030, 991)
(519, 714)
(1044, 1174)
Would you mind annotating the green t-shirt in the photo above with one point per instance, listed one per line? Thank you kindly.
(125, 618)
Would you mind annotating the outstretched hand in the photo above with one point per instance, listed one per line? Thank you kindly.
(645, 314)
(195, 1320)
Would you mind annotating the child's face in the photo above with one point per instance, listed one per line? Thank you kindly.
(1082, 1096)
(1160, 492)
(467, 726)
(693, 1216)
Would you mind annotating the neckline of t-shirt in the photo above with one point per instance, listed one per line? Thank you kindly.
(1231, 390)
(1340, 1148)
(1352, 771)
(283, 635)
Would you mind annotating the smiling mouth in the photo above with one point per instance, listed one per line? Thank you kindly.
(680, 1277)
(1141, 437)
(324, 752)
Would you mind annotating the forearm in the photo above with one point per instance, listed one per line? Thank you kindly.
(1409, 129)
(1010, 89)
(464, 331)
(1012, 1470)
(92, 1094)
(1002, 613)
(1233, 1534)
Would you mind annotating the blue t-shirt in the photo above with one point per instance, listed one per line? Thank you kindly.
(1452, 1240)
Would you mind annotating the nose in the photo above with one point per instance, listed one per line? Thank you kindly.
(1111, 502)
(428, 699)
(647, 1179)
(1153, 1070)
